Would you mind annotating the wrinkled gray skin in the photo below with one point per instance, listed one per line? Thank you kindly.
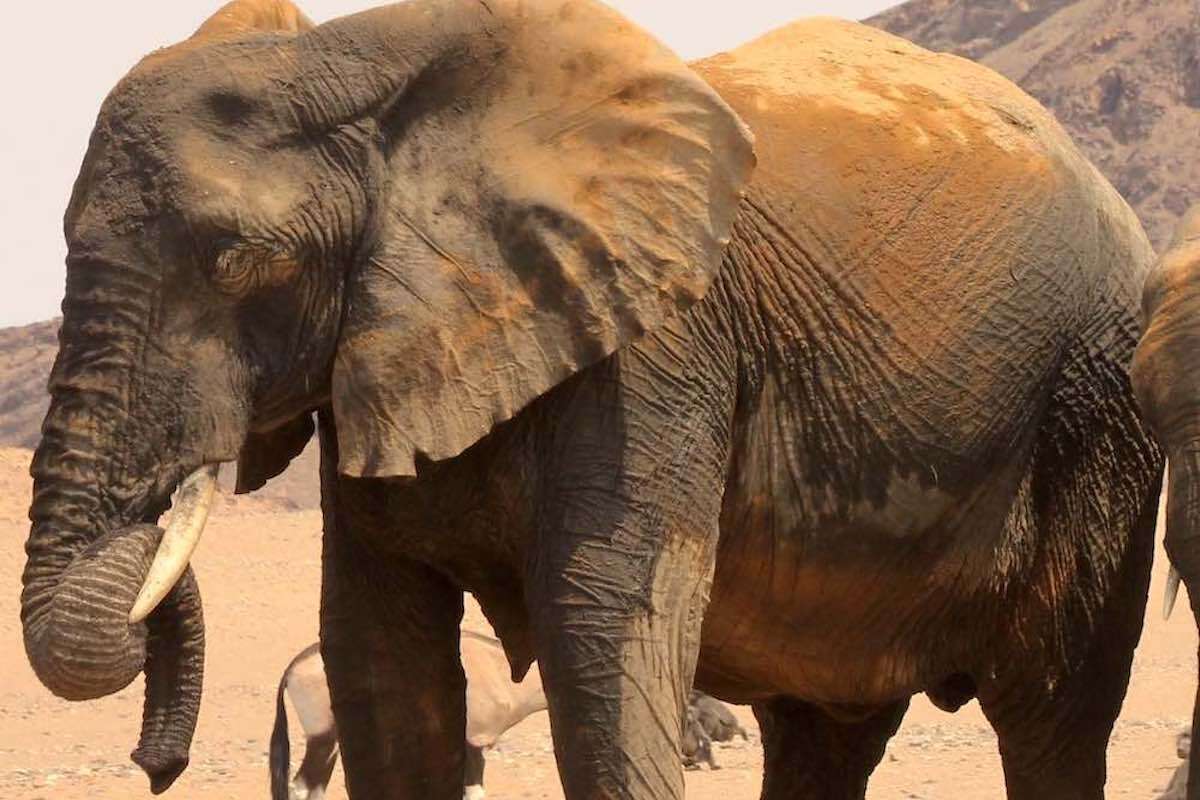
(823, 435)
(1168, 389)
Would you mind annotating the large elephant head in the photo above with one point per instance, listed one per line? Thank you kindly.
(424, 215)
(1166, 377)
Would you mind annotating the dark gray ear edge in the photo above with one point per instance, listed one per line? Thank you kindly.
(266, 455)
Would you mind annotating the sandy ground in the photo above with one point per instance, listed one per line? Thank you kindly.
(259, 569)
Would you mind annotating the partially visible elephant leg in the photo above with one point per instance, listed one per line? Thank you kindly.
(620, 581)
(473, 774)
(808, 753)
(1053, 729)
(1053, 738)
(390, 642)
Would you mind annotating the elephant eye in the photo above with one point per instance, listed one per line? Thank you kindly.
(230, 108)
(242, 268)
(235, 269)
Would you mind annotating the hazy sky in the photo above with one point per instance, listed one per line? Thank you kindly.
(59, 61)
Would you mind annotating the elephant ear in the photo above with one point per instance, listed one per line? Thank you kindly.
(254, 16)
(267, 454)
(557, 184)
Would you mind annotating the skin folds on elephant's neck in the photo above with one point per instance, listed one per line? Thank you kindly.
(471, 517)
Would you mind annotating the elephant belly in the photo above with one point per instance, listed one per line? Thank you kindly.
(857, 580)
(860, 622)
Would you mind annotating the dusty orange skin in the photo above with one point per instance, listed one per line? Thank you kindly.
(574, 355)
(876, 160)
(278, 16)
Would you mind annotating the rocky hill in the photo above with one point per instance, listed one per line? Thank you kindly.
(1123, 77)
(26, 354)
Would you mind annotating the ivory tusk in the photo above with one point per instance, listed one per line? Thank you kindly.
(1171, 593)
(178, 541)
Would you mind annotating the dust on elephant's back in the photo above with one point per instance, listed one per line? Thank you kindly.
(932, 250)
(893, 157)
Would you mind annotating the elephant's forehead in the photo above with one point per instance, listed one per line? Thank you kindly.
(845, 73)
(1188, 230)
(1174, 278)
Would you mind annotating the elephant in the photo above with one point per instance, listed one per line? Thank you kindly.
(715, 718)
(1168, 393)
(695, 745)
(799, 374)
(494, 705)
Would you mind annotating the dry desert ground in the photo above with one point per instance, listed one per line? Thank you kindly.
(258, 567)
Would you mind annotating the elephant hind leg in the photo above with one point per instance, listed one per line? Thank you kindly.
(1053, 732)
(808, 753)
(1053, 736)
(1054, 701)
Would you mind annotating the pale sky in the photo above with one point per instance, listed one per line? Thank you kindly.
(59, 60)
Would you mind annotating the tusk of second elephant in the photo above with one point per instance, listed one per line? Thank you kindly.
(178, 541)
(1172, 592)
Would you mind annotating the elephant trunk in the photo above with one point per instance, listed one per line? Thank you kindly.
(174, 677)
(86, 564)
(1165, 379)
(82, 645)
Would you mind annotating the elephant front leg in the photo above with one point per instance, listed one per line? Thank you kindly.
(617, 590)
(618, 635)
(390, 642)
(389, 638)
(808, 753)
